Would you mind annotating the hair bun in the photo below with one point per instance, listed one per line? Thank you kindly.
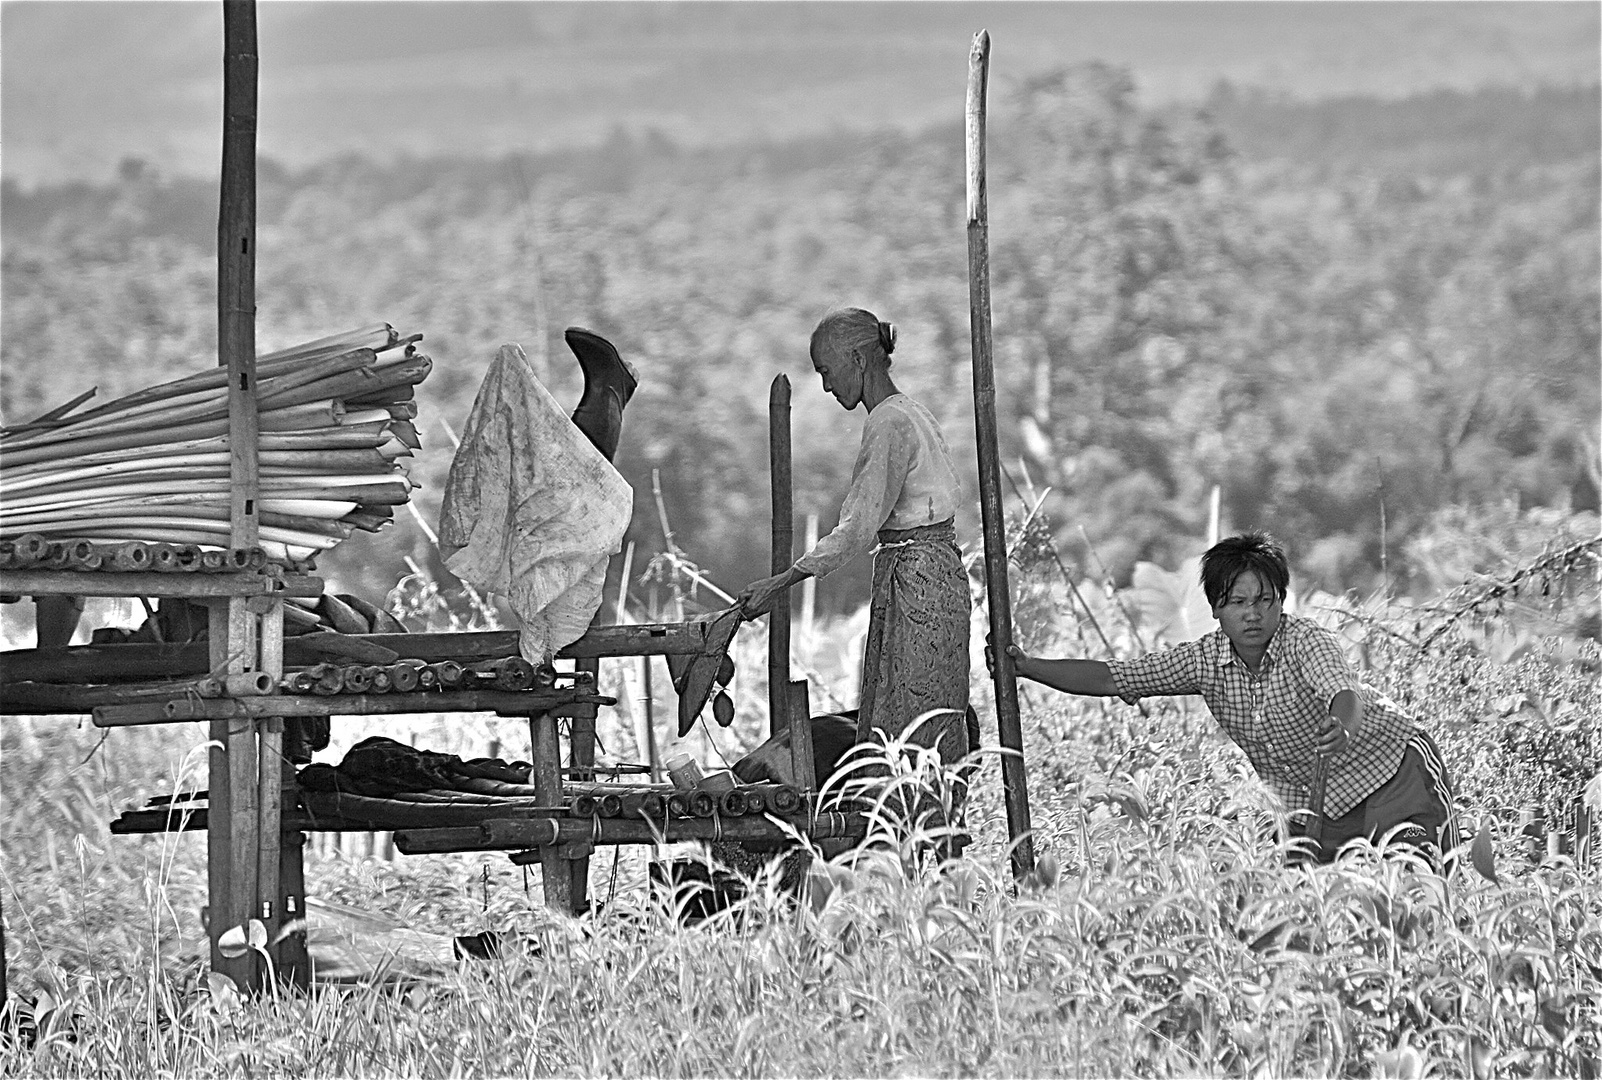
(887, 337)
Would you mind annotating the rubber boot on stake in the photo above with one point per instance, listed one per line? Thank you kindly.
(609, 382)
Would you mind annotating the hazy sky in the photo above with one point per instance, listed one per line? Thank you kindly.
(85, 84)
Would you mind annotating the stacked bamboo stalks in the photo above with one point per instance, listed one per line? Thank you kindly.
(34, 552)
(415, 676)
(335, 418)
(661, 801)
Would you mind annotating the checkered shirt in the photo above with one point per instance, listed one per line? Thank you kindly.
(1274, 715)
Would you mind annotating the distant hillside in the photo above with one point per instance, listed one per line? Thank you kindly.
(85, 84)
(1441, 133)
(1446, 132)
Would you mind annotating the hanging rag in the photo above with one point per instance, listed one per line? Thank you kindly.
(532, 511)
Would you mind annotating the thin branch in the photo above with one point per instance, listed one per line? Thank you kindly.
(1562, 560)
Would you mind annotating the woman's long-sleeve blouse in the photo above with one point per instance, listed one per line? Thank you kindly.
(903, 478)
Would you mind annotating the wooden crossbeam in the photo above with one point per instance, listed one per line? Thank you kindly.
(138, 583)
(111, 663)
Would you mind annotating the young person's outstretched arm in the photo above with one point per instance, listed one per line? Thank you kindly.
(1089, 677)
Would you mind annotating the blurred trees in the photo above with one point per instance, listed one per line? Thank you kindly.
(1346, 315)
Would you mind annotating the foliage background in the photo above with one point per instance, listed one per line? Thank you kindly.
(1348, 315)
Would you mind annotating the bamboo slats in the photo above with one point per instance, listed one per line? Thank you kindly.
(153, 466)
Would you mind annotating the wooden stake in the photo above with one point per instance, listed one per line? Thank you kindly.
(581, 754)
(556, 872)
(783, 546)
(1010, 728)
(1315, 822)
(232, 847)
(802, 759)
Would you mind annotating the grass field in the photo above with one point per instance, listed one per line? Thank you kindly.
(1161, 935)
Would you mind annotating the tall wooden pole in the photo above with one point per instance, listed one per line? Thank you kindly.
(783, 552)
(236, 263)
(1014, 778)
(246, 762)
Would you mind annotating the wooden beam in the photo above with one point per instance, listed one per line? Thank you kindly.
(231, 849)
(186, 710)
(802, 759)
(779, 480)
(508, 834)
(136, 583)
(294, 962)
(556, 872)
(144, 661)
(581, 754)
(1014, 779)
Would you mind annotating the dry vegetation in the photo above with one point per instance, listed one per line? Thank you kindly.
(1161, 935)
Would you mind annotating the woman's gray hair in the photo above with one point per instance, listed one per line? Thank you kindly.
(855, 328)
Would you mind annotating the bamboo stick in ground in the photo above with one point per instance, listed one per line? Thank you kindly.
(1014, 778)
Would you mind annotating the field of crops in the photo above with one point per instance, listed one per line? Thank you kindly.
(1161, 935)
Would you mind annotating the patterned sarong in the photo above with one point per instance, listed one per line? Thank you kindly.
(916, 656)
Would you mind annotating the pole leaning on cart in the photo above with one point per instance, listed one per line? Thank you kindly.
(1010, 729)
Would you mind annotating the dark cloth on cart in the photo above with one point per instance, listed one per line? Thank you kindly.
(379, 766)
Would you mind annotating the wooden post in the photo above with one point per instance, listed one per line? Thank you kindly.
(271, 770)
(546, 753)
(233, 823)
(1010, 728)
(1315, 804)
(783, 545)
(5, 988)
(653, 756)
(801, 756)
(294, 963)
(581, 751)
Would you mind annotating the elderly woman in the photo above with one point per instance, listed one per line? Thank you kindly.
(904, 494)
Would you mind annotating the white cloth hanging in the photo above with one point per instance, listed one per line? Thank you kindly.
(532, 510)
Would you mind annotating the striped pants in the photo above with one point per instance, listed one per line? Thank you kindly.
(1418, 797)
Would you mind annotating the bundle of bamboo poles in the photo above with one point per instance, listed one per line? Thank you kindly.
(511, 673)
(153, 466)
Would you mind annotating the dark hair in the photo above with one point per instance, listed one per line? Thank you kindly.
(1233, 556)
(855, 328)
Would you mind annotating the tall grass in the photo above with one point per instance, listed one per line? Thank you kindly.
(1162, 933)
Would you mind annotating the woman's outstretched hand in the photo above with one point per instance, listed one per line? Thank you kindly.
(759, 597)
